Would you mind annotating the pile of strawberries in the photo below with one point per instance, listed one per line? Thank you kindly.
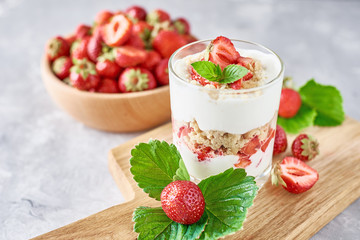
(292, 172)
(124, 51)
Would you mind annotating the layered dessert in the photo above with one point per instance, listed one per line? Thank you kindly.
(224, 101)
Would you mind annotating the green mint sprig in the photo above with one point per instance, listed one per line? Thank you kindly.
(321, 106)
(227, 195)
(213, 72)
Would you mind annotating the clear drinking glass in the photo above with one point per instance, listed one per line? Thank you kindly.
(216, 129)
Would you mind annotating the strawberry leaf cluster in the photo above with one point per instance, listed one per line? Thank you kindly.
(321, 106)
(227, 195)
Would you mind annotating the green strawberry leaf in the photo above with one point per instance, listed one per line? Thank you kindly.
(327, 102)
(208, 70)
(152, 223)
(227, 195)
(232, 73)
(155, 165)
(303, 119)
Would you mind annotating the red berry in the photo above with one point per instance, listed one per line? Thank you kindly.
(128, 56)
(251, 147)
(83, 75)
(223, 52)
(136, 79)
(136, 13)
(294, 175)
(195, 76)
(108, 69)
(82, 31)
(190, 38)
(290, 103)
(162, 72)
(117, 31)
(183, 202)
(280, 143)
(167, 42)
(70, 39)
(182, 26)
(157, 16)
(270, 136)
(61, 67)
(108, 85)
(79, 48)
(142, 29)
(135, 41)
(94, 46)
(305, 147)
(246, 62)
(103, 17)
(57, 47)
(152, 60)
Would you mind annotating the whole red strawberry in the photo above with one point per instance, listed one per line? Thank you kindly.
(162, 72)
(135, 41)
(57, 47)
(83, 75)
(182, 26)
(117, 31)
(152, 60)
(223, 52)
(142, 29)
(103, 17)
(183, 202)
(136, 79)
(61, 67)
(82, 31)
(79, 48)
(305, 147)
(136, 13)
(108, 68)
(290, 103)
(94, 47)
(129, 56)
(108, 85)
(294, 175)
(280, 143)
(167, 42)
(157, 16)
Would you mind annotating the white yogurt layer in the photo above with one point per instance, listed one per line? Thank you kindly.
(216, 109)
(260, 161)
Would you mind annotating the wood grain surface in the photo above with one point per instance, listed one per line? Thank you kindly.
(276, 214)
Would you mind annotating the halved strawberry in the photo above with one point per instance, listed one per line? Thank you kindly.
(152, 60)
(103, 17)
(295, 175)
(162, 72)
(136, 79)
(136, 13)
(167, 42)
(57, 47)
(128, 56)
(117, 31)
(108, 85)
(157, 16)
(223, 52)
(82, 31)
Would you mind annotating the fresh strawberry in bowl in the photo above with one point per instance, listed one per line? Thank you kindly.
(136, 79)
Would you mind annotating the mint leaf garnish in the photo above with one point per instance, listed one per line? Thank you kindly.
(327, 102)
(227, 195)
(212, 72)
(208, 70)
(303, 119)
(155, 165)
(152, 223)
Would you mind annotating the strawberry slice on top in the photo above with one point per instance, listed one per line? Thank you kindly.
(117, 31)
(223, 52)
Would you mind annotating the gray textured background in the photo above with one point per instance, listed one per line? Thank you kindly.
(53, 170)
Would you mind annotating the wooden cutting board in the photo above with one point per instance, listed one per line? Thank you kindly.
(276, 214)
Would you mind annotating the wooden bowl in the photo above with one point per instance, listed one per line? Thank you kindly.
(122, 112)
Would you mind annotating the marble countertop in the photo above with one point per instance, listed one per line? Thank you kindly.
(53, 169)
